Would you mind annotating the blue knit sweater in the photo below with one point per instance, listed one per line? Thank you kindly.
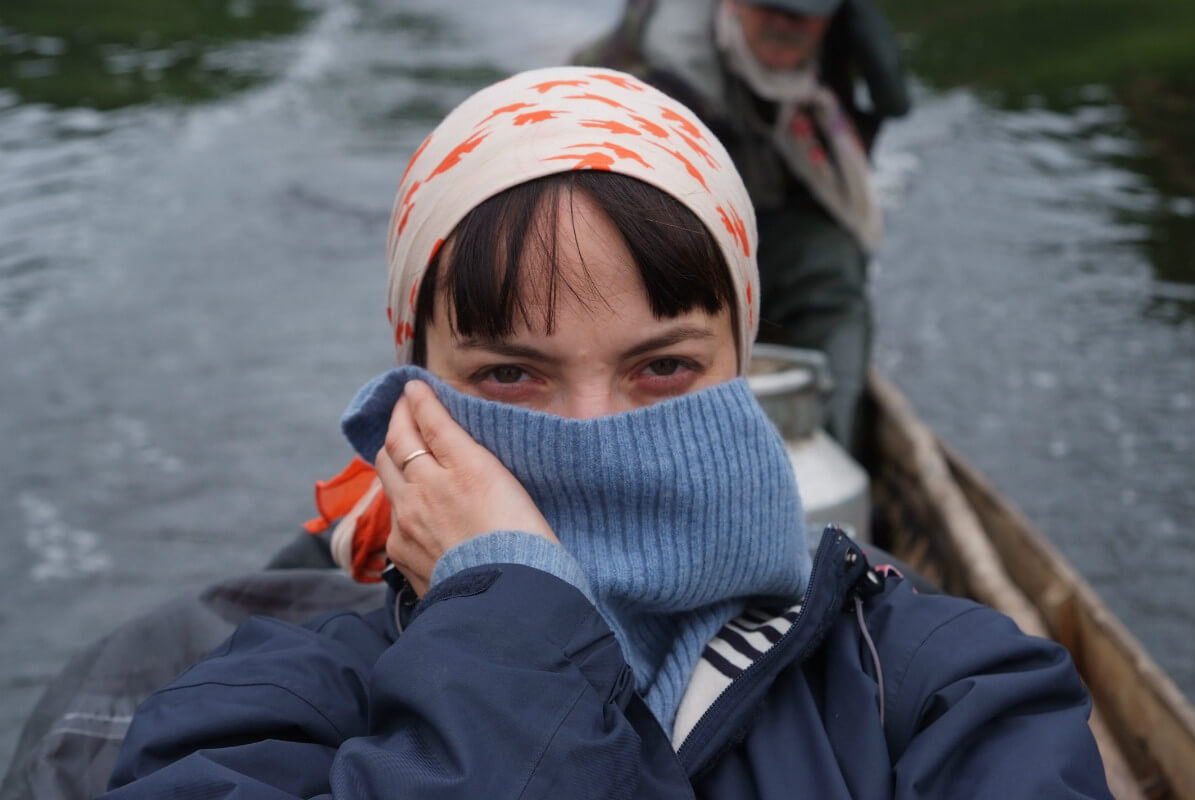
(670, 517)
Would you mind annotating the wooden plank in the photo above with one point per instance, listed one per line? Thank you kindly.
(1153, 721)
(986, 579)
(910, 450)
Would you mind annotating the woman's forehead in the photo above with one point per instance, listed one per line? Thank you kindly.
(574, 262)
(605, 331)
(575, 245)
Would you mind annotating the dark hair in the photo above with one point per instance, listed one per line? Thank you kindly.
(679, 261)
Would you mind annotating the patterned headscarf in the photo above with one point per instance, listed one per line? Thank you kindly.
(531, 125)
(553, 120)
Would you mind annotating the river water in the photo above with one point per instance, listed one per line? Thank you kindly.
(191, 291)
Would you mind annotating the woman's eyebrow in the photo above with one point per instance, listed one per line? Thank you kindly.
(669, 338)
(502, 347)
(508, 349)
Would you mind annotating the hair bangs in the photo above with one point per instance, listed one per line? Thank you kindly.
(500, 264)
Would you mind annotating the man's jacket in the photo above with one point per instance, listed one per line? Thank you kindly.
(506, 683)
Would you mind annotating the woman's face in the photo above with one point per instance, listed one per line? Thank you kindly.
(607, 352)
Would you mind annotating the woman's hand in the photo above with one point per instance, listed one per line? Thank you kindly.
(457, 491)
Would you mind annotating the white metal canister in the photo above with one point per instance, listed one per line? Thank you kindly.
(791, 386)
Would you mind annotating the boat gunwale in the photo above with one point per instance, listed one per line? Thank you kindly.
(1136, 704)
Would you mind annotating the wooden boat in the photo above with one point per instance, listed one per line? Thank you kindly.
(940, 515)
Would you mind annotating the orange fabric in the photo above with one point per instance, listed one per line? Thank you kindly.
(336, 496)
(369, 541)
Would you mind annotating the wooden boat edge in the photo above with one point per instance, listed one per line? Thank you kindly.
(976, 543)
(1153, 720)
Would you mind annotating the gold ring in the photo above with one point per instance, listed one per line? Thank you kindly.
(412, 457)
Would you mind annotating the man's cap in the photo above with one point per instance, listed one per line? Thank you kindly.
(811, 8)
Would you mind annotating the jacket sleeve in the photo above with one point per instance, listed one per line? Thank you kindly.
(506, 684)
(981, 710)
(263, 715)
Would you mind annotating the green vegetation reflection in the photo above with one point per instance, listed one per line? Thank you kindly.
(1018, 53)
(107, 54)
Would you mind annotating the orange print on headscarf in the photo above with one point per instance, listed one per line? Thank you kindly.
(599, 161)
(403, 332)
(696, 148)
(406, 214)
(414, 158)
(610, 125)
(407, 204)
(741, 228)
(534, 117)
(406, 198)
(685, 125)
(591, 96)
(651, 127)
(549, 85)
(622, 83)
(454, 157)
(504, 110)
(618, 150)
(736, 228)
(688, 164)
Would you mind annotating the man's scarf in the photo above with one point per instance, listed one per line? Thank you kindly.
(811, 133)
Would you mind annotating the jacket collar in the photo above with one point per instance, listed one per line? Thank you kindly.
(838, 568)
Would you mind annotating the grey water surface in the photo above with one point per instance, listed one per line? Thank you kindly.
(191, 288)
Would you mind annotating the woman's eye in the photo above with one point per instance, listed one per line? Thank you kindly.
(506, 374)
(664, 366)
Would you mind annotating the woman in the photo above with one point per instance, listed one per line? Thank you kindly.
(602, 588)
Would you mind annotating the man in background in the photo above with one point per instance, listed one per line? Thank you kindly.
(777, 82)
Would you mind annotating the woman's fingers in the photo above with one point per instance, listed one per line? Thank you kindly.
(404, 445)
(448, 441)
(454, 492)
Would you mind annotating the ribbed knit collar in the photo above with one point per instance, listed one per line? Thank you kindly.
(677, 513)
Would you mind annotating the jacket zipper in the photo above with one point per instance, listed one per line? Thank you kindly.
(736, 687)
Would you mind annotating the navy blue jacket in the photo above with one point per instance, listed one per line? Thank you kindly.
(507, 683)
